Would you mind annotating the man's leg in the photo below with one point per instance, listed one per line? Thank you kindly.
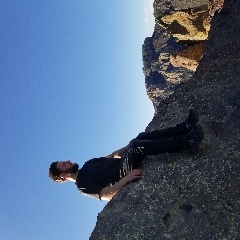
(179, 129)
(172, 144)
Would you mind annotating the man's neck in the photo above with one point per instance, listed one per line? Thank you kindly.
(73, 177)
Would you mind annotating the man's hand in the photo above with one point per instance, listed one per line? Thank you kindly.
(108, 193)
(132, 175)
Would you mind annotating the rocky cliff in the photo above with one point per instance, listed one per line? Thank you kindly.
(192, 194)
(171, 55)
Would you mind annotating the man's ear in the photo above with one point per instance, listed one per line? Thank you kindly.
(64, 175)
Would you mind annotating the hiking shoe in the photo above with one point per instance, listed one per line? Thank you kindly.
(193, 118)
(196, 135)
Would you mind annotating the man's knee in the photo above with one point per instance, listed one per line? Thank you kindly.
(141, 136)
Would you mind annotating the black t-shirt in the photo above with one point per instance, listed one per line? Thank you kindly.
(96, 174)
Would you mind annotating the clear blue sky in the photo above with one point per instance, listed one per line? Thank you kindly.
(71, 87)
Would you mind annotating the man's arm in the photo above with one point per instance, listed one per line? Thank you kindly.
(108, 193)
(120, 152)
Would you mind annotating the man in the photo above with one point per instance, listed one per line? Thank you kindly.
(103, 177)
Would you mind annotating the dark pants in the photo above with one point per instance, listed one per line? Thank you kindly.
(152, 143)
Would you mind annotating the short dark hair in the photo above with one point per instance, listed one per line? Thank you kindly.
(54, 173)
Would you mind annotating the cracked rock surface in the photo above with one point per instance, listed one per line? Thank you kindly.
(193, 194)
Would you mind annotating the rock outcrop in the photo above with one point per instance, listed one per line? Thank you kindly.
(188, 57)
(193, 194)
(187, 24)
(172, 54)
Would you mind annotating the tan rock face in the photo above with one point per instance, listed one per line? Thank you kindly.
(215, 6)
(188, 57)
(188, 24)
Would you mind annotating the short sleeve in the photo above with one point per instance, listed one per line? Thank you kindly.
(91, 190)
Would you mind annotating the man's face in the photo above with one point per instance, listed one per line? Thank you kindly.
(67, 166)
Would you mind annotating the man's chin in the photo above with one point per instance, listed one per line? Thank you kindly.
(75, 167)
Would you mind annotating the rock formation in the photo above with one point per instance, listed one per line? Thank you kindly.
(171, 55)
(193, 194)
(188, 57)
